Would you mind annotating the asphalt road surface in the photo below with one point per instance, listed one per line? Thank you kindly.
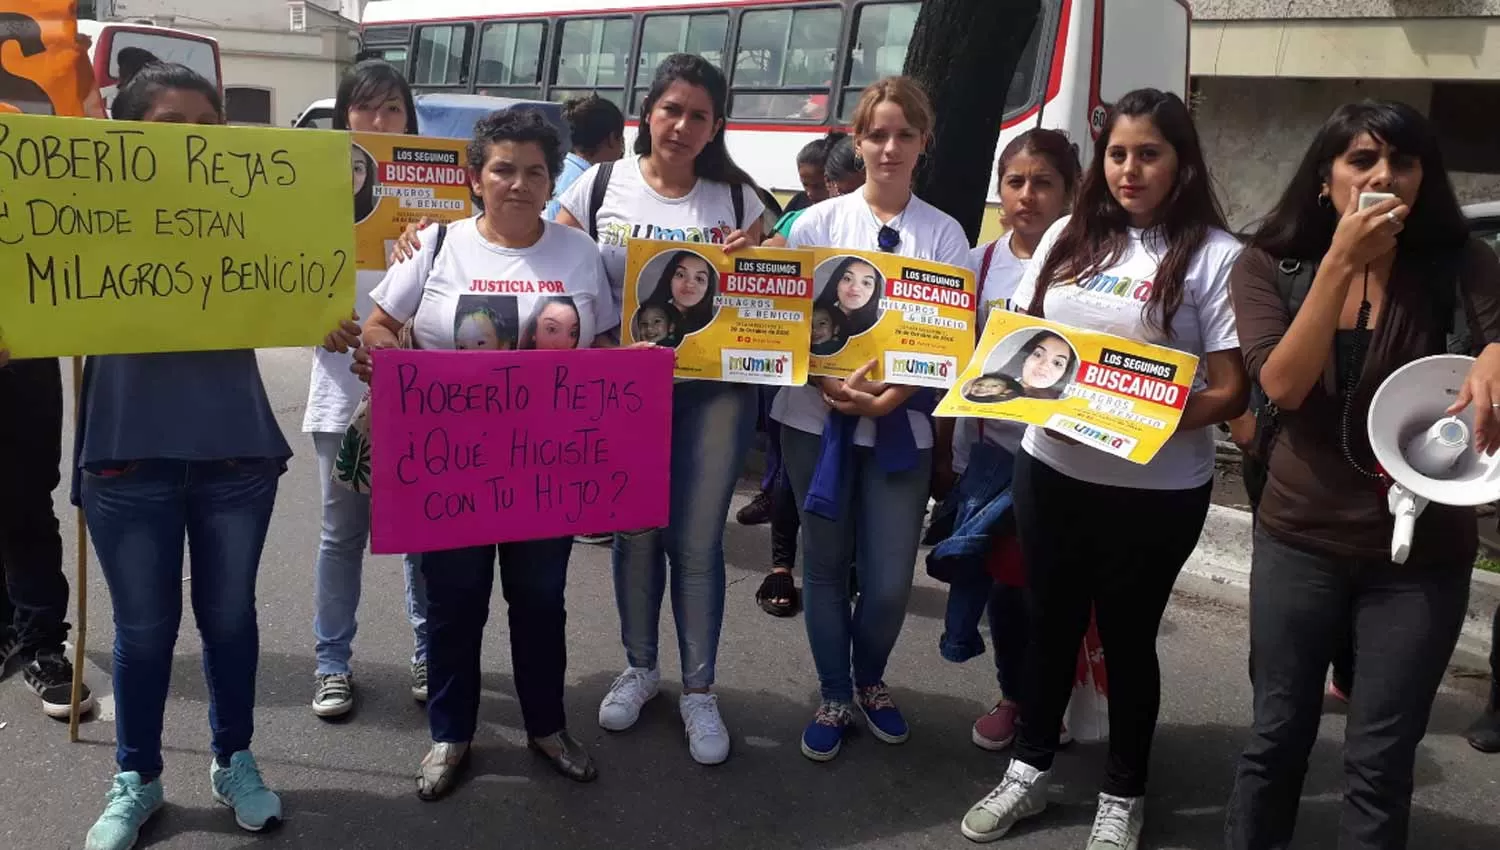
(350, 785)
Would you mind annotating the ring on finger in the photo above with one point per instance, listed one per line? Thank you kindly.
(1392, 217)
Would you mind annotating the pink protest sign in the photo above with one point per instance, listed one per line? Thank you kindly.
(476, 447)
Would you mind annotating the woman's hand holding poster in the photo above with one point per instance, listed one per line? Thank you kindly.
(914, 318)
(739, 317)
(1114, 394)
(399, 180)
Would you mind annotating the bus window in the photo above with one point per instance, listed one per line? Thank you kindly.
(386, 43)
(594, 56)
(510, 59)
(882, 34)
(394, 55)
(663, 35)
(197, 55)
(792, 50)
(442, 56)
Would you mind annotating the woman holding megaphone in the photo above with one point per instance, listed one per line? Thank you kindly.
(1370, 244)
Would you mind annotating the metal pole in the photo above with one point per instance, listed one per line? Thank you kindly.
(82, 579)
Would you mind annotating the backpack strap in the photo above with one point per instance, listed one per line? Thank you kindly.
(438, 240)
(596, 196)
(737, 198)
(1294, 279)
(984, 266)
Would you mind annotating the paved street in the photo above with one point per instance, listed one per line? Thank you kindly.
(349, 784)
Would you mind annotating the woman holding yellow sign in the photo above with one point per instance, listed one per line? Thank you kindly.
(1145, 257)
(682, 185)
(859, 453)
(372, 98)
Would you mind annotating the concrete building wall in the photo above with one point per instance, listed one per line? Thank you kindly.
(1233, 10)
(221, 14)
(1256, 130)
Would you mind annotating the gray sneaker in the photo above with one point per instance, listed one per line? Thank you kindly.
(1117, 823)
(335, 695)
(1020, 795)
(419, 680)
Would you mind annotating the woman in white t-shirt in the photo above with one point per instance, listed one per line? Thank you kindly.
(372, 98)
(1037, 173)
(1146, 256)
(514, 159)
(680, 185)
(859, 454)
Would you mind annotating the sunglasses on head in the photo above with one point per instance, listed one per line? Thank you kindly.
(889, 238)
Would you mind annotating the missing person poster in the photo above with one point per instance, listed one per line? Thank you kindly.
(914, 318)
(398, 180)
(740, 317)
(1117, 395)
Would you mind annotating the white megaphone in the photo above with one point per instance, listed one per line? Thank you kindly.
(1428, 454)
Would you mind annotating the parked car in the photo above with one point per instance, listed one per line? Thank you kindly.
(1484, 222)
(317, 116)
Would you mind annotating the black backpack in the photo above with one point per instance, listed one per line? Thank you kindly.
(601, 186)
(1294, 279)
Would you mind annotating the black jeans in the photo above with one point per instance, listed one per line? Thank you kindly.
(785, 523)
(533, 576)
(1117, 551)
(34, 591)
(1405, 622)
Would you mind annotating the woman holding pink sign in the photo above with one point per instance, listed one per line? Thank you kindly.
(514, 159)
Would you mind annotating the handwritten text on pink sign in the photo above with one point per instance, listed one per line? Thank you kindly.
(472, 447)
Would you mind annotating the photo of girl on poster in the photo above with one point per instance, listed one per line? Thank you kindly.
(364, 182)
(848, 290)
(1025, 364)
(486, 323)
(553, 325)
(686, 286)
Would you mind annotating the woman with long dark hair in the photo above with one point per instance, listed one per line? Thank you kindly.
(372, 98)
(687, 284)
(859, 453)
(853, 290)
(1145, 256)
(1382, 285)
(680, 185)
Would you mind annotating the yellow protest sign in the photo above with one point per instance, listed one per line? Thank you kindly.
(914, 318)
(1114, 394)
(741, 318)
(399, 180)
(125, 237)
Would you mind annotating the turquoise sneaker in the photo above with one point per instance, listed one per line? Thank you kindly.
(127, 807)
(239, 787)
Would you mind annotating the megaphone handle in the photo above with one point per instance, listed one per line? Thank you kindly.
(1406, 522)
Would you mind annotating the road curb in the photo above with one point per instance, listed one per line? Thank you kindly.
(1223, 557)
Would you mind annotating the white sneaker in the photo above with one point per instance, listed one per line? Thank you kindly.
(1020, 795)
(708, 740)
(634, 688)
(1117, 823)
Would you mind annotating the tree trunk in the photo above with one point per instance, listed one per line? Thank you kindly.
(964, 53)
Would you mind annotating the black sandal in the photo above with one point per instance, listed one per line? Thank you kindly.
(779, 586)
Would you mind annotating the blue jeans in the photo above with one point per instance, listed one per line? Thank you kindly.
(533, 576)
(712, 426)
(138, 516)
(337, 574)
(880, 515)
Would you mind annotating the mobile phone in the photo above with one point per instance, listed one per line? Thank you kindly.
(1370, 199)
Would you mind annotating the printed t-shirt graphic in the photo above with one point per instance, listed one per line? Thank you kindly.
(480, 296)
(1114, 302)
(633, 210)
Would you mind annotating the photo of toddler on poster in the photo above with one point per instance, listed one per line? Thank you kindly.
(1027, 363)
(846, 302)
(676, 293)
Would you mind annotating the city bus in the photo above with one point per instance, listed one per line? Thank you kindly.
(795, 67)
(109, 38)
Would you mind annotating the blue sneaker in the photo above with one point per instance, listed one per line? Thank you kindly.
(881, 713)
(239, 787)
(825, 734)
(127, 807)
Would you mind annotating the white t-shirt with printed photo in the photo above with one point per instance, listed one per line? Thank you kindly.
(999, 282)
(927, 233)
(481, 296)
(1114, 302)
(633, 210)
(333, 391)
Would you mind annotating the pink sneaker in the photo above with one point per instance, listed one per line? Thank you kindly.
(997, 729)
